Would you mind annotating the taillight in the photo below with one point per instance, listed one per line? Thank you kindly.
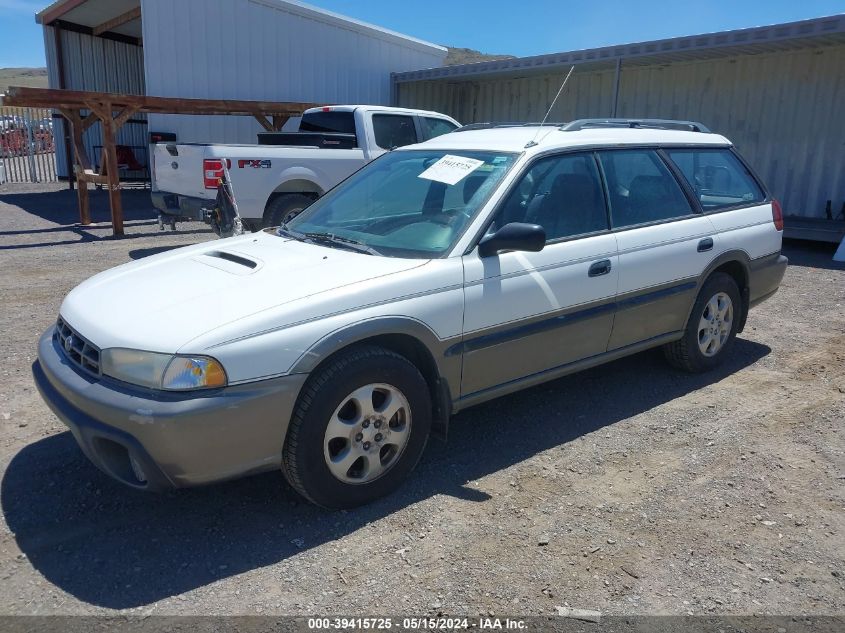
(777, 215)
(212, 171)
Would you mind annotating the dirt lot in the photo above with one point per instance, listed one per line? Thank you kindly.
(629, 488)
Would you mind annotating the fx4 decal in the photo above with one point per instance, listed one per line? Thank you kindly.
(255, 164)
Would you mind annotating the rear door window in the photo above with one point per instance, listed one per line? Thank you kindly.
(641, 188)
(718, 177)
(433, 127)
(394, 130)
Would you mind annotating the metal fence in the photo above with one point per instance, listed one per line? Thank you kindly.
(27, 146)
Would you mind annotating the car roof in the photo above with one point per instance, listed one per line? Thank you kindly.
(515, 139)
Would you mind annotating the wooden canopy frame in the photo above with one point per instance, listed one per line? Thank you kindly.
(112, 110)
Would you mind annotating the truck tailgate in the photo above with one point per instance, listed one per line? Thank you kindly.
(180, 173)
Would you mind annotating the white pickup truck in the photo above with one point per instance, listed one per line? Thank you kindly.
(285, 172)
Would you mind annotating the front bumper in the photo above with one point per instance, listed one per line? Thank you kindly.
(157, 440)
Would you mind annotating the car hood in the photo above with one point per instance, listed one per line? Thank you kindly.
(162, 302)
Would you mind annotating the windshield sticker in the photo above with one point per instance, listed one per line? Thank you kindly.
(451, 169)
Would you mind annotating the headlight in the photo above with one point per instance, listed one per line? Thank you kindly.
(162, 371)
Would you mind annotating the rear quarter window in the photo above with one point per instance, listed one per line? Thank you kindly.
(718, 177)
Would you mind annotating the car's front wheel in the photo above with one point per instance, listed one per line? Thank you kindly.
(359, 427)
(712, 326)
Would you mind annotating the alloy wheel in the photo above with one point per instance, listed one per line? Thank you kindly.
(367, 433)
(714, 326)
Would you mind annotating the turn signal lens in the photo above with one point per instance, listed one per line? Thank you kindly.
(193, 372)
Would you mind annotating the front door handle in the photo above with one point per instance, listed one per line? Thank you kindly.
(599, 268)
(705, 245)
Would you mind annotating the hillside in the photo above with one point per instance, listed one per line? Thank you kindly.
(469, 56)
(31, 77)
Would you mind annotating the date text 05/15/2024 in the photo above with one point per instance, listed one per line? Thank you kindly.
(417, 624)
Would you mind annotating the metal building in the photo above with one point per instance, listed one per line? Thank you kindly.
(777, 92)
(271, 50)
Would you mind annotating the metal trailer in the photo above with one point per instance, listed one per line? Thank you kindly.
(776, 91)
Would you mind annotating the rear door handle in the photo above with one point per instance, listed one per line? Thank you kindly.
(705, 245)
(599, 268)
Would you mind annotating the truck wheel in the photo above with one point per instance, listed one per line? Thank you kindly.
(358, 429)
(711, 328)
(284, 208)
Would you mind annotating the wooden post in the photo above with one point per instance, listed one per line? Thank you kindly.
(104, 112)
(82, 198)
(80, 163)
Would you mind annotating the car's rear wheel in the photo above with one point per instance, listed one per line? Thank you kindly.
(284, 208)
(359, 427)
(712, 326)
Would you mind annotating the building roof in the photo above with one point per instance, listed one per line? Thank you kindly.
(821, 31)
(98, 14)
(122, 17)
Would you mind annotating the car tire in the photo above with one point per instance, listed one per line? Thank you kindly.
(711, 329)
(284, 208)
(359, 427)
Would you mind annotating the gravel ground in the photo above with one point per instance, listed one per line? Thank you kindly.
(628, 489)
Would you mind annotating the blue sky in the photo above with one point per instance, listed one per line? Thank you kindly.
(527, 27)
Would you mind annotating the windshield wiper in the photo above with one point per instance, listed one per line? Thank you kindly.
(284, 231)
(343, 242)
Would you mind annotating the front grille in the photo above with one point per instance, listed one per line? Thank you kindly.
(76, 349)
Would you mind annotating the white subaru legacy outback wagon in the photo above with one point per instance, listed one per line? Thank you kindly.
(439, 276)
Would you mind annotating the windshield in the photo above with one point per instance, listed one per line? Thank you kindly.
(413, 203)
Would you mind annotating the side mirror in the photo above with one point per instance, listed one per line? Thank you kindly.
(516, 236)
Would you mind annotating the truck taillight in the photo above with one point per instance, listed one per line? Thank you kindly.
(212, 171)
(777, 215)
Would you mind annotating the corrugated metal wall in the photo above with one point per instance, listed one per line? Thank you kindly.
(514, 99)
(782, 110)
(249, 49)
(94, 63)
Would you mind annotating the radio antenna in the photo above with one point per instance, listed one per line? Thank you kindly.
(533, 141)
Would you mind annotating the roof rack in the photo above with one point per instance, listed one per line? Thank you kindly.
(655, 124)
(490, 125)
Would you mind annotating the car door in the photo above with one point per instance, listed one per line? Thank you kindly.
(530, 312)
(664, 245)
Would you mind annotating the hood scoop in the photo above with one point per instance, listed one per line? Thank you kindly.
(230, 262)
